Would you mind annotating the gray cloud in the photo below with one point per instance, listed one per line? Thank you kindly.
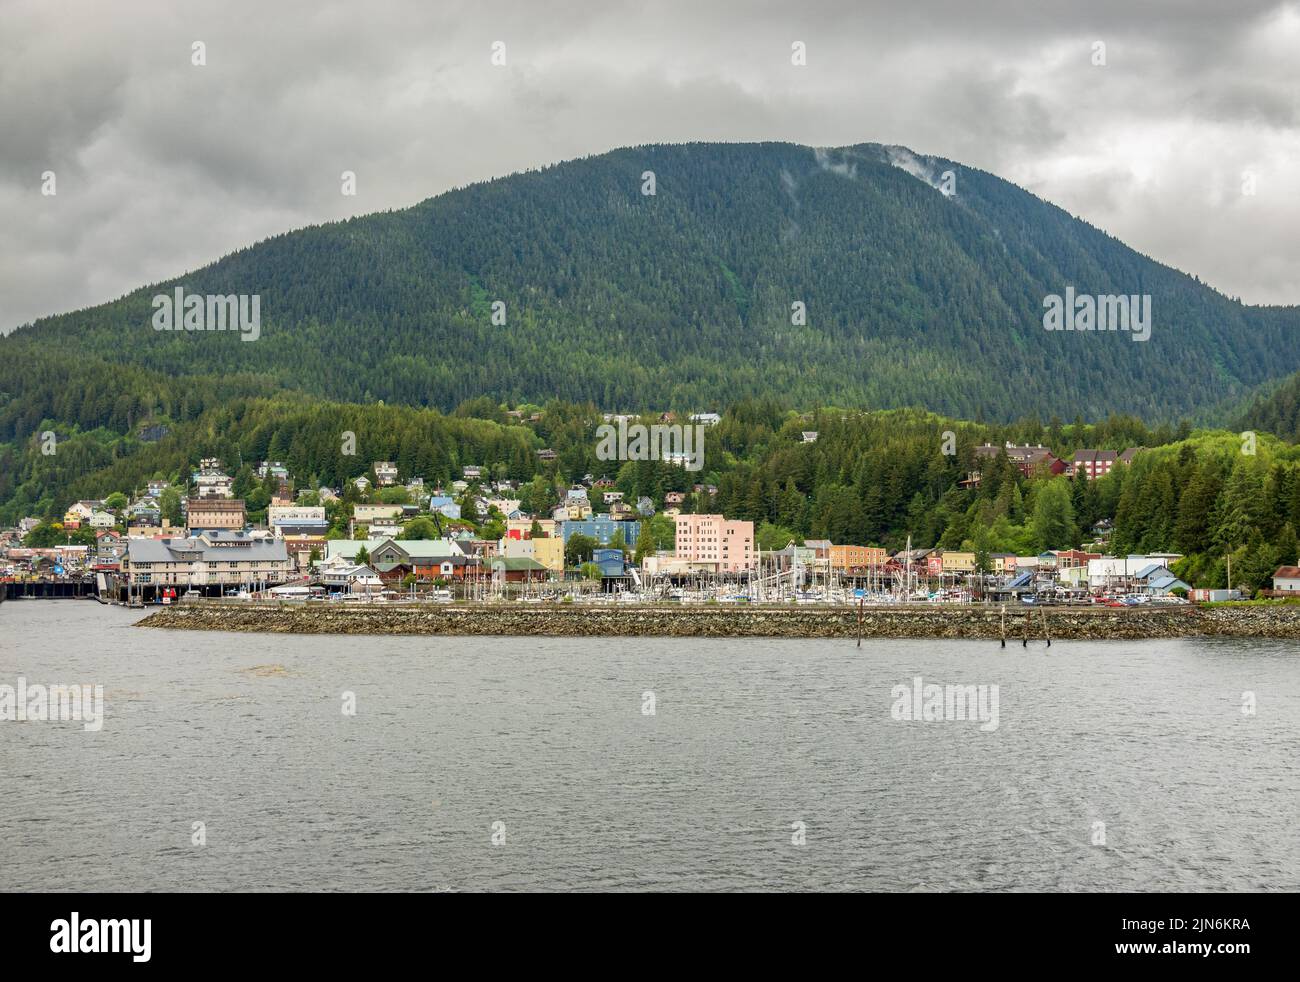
(163, 166)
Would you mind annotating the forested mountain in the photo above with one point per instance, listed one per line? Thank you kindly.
(1279, 413)
(680, 299)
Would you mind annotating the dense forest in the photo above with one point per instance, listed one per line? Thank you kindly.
(681, 299)
(1279, 413)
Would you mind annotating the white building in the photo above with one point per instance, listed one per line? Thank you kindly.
(213, 485)
(1122, 572)
(1287, 578)
(297, 519)
(351, 579)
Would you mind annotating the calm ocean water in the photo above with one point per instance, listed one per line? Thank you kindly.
(1114, 766)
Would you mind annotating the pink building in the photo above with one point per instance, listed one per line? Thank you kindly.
(714, 539)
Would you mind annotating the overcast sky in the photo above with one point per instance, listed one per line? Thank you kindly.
(162, 166)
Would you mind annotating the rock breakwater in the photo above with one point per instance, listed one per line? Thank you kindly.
(627, 620)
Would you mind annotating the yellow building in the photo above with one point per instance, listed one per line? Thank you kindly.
(550, 553)
(958, 562)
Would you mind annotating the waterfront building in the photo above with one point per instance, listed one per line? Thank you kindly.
(300, 549)
(711, 538)
(516, 570)
(1287, 578)
(351, 579)
(549, 551)
(348, 548)
(852, 558)
(416, 552)
(1157, 581)
(612, 562)
(211, 558)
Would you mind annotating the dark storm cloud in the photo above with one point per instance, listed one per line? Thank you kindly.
(163, 166)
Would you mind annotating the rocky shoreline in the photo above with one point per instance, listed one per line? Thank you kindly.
(980, 623)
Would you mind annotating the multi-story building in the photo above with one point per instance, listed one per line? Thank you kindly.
(1071, 558)
(612, 562)
(601, 528)
(957, 562)
(504, 505)
(80, 512)
(1093, 464)
(549, 551)
(363, 514)
(573, 509)
(941, 562)
(210, 481)
(300, 548)
(214, 514)
(714, 539)
(1029, 459)
(287, 520)
(845, 558)
(522, 528)
(207, 559)
(386, 473)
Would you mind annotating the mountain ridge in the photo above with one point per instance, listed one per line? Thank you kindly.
(682, 298)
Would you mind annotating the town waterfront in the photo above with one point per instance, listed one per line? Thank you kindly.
(640, 763)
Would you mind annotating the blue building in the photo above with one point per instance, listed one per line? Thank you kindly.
(601, 528)
(610, 561)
